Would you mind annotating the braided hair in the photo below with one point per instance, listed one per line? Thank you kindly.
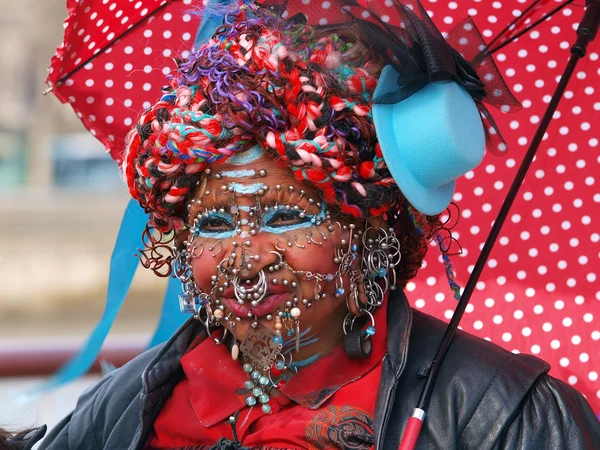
(305, 95)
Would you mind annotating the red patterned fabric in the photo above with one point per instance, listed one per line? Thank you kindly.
(540, 293)
(332, 398)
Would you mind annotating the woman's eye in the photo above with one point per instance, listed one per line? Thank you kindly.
(283, 218)
(215, 224)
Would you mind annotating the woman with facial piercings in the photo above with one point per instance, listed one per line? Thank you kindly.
(270, 199)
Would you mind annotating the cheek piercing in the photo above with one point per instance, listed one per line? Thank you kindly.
(298, 245)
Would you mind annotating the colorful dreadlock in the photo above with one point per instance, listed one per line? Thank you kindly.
(305, 96)
(439, 238)
(305, 99)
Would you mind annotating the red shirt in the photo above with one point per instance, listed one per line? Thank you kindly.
(328, 404)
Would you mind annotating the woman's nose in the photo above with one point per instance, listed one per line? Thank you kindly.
(259, 255)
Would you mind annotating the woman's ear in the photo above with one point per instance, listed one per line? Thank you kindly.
(377, 223)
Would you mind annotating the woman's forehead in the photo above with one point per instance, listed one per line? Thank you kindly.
(248, 177)
(232, 182)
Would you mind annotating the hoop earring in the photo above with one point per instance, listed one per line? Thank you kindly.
(357, 344)
(191, 299)
(380, 256)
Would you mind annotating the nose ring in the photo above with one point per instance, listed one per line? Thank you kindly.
(255, 292)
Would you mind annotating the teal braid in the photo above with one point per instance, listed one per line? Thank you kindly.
(450, 275)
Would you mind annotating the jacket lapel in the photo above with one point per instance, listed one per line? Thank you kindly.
(399, 327)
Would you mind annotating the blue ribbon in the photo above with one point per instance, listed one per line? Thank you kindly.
(212, 18)
(171, 317)
(123, 265)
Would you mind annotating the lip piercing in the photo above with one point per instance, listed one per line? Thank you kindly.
(256, 292)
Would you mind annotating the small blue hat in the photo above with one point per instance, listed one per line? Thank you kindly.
(428, 140)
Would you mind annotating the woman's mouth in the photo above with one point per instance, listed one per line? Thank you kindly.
(267, 305)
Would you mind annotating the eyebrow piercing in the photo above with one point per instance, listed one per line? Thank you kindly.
(279, 248)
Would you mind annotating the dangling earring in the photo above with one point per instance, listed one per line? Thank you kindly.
(191, 299)
(380, 256)
(357, 344)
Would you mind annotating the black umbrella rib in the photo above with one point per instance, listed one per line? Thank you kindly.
(527, 29)
(76, 69)
(514, 22)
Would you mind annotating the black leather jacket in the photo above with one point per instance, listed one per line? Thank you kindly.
(485, 397)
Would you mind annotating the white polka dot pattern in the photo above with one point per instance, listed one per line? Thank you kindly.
(539, 293)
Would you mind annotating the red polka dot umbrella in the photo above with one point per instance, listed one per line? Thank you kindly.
(540, 291)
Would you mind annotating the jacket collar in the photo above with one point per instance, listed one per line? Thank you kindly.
(165, 370)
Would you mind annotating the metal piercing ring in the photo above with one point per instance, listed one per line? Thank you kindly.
(278, 254)
(310, 239)
(354, 295)
(214, 255)
(277, 247)
(364, 311)
(219, 266)
(194, 248)
(296, 243)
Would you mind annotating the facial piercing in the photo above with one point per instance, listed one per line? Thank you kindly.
(296, 243)
(211, 248)
(357, 344)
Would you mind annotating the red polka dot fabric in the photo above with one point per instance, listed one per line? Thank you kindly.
(540, 291)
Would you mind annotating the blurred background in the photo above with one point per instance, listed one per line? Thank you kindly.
(61, 202)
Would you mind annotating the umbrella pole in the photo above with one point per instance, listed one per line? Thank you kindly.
(585, 34)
